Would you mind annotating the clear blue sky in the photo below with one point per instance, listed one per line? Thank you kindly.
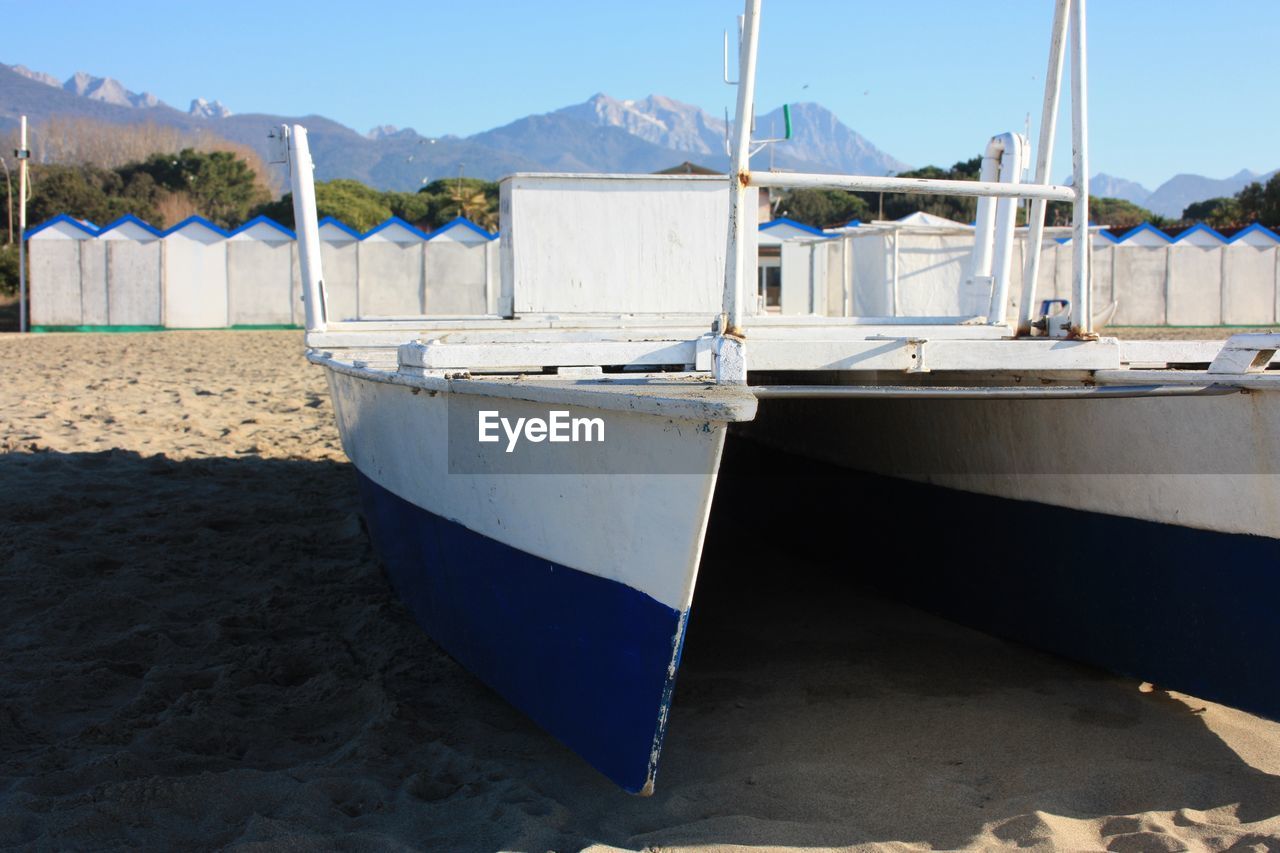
(1176, 85)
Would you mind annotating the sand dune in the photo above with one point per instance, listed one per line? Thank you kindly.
(199, 651)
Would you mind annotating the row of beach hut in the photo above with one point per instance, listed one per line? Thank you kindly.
(195, 275)
(918, 266)
(130, 275)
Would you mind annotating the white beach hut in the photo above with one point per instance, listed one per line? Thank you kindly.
(391, 271)
(195, 275)
(58, 270)
(339, 256)
(460, 269)
(1194, 278)
(262, 271)
(1251, 278)
(132, 251)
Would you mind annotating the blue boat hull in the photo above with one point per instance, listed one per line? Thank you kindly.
(1188, 609)
(591, 660)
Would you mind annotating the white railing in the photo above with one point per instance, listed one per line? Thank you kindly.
(730, 364)
(917, 186)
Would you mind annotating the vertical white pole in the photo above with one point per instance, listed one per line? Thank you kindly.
(895, 271)
(23, 156)
(730, 363)
(302, 182)
(846, 276)
(984, 221)
(1044, 161)
(1081, 250)
(1013, 158)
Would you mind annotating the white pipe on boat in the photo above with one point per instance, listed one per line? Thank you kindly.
(911, 186)
(302, 183)
(1012, 158)
(1081, 317)
(985, 218)
(1044, 160)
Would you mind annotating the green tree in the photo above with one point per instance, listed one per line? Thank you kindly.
(472, 198)
(223, 187)
(1257, 202)
(350, 202)
(898, 205)
(1261, 202)
(8, 269)
(823, 208)
(87, 192)
(411, 207)
(1218, 212)
(1115, 213)
(363, 207)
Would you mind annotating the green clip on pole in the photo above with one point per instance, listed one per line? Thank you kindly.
(786, 118)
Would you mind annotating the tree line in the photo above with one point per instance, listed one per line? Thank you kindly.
(97, 172)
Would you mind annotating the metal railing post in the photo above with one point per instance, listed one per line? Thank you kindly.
(730, 358)
(302, 183)
(1081, 250)
(24, 154)
(1044, 161)
(1013, 157)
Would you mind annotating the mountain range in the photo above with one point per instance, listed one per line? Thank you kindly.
(1174, 195)
(602, 134)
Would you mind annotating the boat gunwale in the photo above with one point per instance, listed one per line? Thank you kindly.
(683, 396)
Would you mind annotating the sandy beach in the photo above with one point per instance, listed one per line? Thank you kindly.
(200, 652)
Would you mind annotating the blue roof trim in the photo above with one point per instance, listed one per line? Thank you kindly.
(809, 229)
(340, 225)
(1199, 226)
(461, 220)
(197, 220)
(1253, 229)
(126, 220)
(1106, 232)
(396, 220)
(264, 220)
(1146, 226)
(62, 217)
(853, 223)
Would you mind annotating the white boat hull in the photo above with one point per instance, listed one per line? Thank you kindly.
(566, 592)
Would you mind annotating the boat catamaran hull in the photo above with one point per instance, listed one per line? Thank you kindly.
(567, 592)
(1113, 501)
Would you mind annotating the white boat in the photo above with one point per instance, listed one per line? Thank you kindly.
(538, 482)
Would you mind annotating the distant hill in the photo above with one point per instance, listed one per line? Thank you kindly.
(602, 134)
(1173, 196)
(662, 121)
(1108, 186)
(820, 140)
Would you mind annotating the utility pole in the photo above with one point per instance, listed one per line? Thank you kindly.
(23, 154)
